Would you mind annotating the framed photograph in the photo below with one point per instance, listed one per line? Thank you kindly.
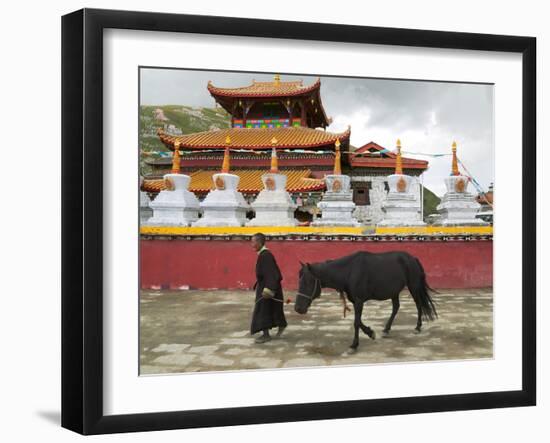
(270, 221)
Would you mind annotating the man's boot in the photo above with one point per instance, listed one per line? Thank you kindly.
(264, 337)
(280, 331)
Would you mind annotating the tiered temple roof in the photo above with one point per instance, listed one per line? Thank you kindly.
(485, 198)
(250, 181)
(372, 155)
(280, 115)
(257, 138)
(301, 104)
(265, 89)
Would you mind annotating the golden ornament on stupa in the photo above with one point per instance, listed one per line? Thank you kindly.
(274, 160)
(337, 159)
(176, 163)
(455, 170)
(398, 160)
(225, 164)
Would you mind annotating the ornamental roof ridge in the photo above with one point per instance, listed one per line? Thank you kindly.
(265, 89)
(256, 138)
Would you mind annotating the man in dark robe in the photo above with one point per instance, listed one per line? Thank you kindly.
(269, 302)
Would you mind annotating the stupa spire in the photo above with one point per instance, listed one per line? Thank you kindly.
(225, 164)
(176, 163)
(398, 160)
(274, 160)
(277, 79)
(455, 170)
(337, 160)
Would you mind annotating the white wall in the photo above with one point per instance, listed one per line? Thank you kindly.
(30, 244)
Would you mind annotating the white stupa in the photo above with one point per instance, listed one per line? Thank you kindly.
(401, 207)
(337, 203)
(273, 205)
(175, 205)
(224, 205)
(145, 211)
(458, 207)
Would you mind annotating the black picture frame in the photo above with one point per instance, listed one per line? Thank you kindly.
(82, 217)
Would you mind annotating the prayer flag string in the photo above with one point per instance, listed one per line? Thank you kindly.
(476, 184)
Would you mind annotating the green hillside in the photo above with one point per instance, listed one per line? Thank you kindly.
(185, 118)
(430, 202)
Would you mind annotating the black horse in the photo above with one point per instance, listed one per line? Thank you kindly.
(368, 276)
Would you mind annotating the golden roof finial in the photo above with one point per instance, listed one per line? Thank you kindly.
(455, 170)
(337, 160)
(225, 164)
(274, 161)
(277, 79)
(398, 161)
(176, 163)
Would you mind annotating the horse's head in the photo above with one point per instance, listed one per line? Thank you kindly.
(308, 290)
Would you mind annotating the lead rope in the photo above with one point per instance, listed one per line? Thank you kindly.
(342, 296)
(310, 297)
(271, 298)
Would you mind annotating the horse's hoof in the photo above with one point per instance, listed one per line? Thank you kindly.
(417, 330)
(385, 334)
(352, 350)
(373, 335)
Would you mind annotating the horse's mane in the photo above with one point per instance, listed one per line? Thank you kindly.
(334, 270)
(342, 260)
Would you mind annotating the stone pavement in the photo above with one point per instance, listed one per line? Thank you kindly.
(191, 331)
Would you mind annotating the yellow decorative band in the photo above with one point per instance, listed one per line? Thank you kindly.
(316, 230)
(435, 230)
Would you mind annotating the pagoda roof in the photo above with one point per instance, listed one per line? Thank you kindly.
(298, 180)
(485, 198)
(265, 89)
(275, 89)
(372, 155)
(256, 138)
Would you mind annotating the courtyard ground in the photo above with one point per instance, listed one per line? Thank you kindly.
(191, 331)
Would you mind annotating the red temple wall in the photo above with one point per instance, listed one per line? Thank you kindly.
(230, 264)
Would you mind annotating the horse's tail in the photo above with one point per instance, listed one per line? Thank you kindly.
(421, 291)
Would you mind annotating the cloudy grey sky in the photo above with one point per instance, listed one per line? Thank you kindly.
(426, 116)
